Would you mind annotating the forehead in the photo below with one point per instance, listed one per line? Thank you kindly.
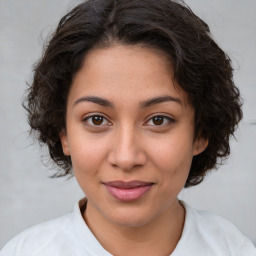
(128, 60)
(126, 72)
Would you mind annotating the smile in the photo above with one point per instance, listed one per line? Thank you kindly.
(128, 191)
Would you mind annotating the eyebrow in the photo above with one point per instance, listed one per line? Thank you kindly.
(144, 104)
(157, 100)
(98, 100)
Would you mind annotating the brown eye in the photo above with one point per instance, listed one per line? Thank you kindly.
(158, 120)
(96, 120)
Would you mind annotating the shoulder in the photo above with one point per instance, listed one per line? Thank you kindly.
(49, 234)
(64, 236)
(214, 234)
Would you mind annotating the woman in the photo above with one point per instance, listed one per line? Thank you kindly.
(137, 101)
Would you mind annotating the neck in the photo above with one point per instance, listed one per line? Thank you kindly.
(165, 231)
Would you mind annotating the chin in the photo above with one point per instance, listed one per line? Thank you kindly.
(129, 218)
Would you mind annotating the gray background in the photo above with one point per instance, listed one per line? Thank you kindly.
(27, 194)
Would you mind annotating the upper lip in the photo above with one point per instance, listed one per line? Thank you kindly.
(129, 184)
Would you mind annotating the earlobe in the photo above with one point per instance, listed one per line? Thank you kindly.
(64, 142)
(200, 145)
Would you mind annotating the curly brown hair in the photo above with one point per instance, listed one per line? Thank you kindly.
(201, 69)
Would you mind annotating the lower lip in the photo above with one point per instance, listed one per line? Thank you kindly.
(128, 194)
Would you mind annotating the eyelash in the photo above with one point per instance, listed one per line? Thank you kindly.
(94, 116)
(166, 120)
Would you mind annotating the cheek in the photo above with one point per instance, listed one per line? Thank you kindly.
(87, 160)
(173, 156)
(87, 157)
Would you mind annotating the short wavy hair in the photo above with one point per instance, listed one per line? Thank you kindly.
(200, 67)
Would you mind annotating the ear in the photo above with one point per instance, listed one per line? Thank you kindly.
(64, 142)
(200, 144)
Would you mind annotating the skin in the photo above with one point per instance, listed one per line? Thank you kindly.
(126, 143)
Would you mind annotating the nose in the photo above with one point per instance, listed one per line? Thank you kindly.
(127, 152)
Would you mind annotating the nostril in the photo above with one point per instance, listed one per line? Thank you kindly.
(126, 151)
(127, 162)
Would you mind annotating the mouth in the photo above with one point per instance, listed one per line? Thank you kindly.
(128, 191)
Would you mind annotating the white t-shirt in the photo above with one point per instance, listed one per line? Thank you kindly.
(204, 234)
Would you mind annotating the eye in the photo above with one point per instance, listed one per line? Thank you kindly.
(96, 120)
(159, 120)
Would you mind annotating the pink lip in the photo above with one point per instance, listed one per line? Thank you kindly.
(127, 191)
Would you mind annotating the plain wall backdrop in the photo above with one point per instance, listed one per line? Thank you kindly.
(27, 194)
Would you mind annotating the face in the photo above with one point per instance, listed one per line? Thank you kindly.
(130, 134)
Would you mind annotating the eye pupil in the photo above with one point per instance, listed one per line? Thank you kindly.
(97, 120)
(158, 120)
